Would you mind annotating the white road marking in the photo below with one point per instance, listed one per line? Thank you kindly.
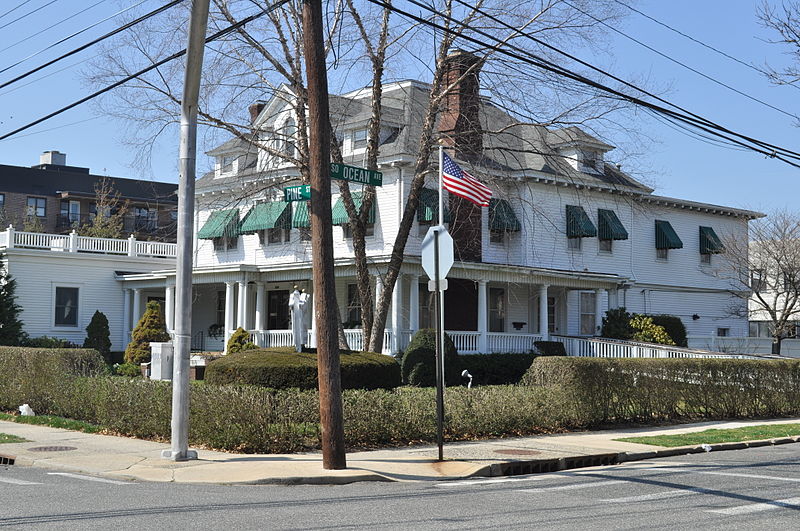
(17, 481)
(90, 478)
(790, 503)
(680, 491)
(476, 482)
(731, 474)
(575, 486)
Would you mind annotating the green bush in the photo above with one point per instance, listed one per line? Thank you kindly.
(98, 336)
(11, 332)
(419, 360)
(647, 331)
(239, 341)
(617, 324)
(151, 328)
(131, 370)
(281, 368)
(673, 326)
(550, 348)
(496, 369)
(48, 342)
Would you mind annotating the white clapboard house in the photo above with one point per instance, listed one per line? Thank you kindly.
(567, 234)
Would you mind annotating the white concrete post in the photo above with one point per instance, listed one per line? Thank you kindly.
(598, 311)
(137, 307)
(73, 241)
(169, 310)
(240, 315)
(10, 237)
(483, 318)
(131, 245)
(229, 316)
(543, 324)
(126, 317)
(378, 295)
(413, 306)
(313, 340)
(397, 301)
(261, 302)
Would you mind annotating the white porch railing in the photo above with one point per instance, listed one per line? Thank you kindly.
(465, 342)
(11, 238)
(609, 348)
(512, 343)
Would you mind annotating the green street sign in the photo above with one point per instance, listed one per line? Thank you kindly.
(354, 174)
(297, 193)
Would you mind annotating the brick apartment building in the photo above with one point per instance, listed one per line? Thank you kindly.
(56, 198)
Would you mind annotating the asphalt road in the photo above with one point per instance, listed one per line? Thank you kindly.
(756, 488)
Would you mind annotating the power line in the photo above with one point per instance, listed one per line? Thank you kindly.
(699, 122)
(28, 13)
(684, 65)
(92, 43)
(143, 71)
(14, 8)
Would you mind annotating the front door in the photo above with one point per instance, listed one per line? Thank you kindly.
(278, 310)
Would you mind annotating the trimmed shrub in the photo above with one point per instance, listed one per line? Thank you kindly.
(617, 324)
(151, 328)
(131, 370)
(673, 326)
(550, 348)
(48, 342)
(649, 332)
(281, 368)
(239, 341)
(496, 369)
(98, 336)
(419, 360)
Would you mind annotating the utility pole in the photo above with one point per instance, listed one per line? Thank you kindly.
(183, 270)
(330, 386)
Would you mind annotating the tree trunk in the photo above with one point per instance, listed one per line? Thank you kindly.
(776, 345)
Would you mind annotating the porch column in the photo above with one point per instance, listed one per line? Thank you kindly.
(543, 324)
(169, 307)
(241, 315)
(483, 344)
(598, 311)
(229, 316)
(378, 295)
(313, 339)
(413, 306)
(261, 301)
(126, 317)
(613, 298)
(397, 301)
(137, 307)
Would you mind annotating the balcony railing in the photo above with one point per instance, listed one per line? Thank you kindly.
(11, 239)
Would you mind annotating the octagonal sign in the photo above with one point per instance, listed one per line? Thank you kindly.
(446, 256)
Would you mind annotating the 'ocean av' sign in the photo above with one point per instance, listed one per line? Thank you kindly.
(354, 174)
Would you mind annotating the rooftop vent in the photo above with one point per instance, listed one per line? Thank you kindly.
(53, 158)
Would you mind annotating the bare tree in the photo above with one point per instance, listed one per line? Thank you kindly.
(110, 211)
(784, 20)
(764, 273)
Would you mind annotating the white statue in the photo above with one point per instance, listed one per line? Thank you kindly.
(297, 304)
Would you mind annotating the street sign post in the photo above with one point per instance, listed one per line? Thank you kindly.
(354, 174)
(297, 193)
(437, 259)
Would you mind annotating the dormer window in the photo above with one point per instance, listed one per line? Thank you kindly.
(227, 163)
(591, 160)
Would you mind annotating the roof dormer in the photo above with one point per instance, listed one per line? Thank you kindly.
(580, 150)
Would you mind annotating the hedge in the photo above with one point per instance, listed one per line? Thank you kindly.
(281, 368)
(496, 369)
(600, 390)
(559, 394)
(419, 360)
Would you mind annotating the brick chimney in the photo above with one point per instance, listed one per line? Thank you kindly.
(255, 109)
(460, 128)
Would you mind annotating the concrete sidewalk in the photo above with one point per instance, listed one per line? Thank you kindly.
(134, 459)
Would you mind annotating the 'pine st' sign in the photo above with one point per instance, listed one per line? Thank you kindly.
(297, 193)
(354, 174)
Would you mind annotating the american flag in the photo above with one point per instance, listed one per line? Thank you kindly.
(462, 184)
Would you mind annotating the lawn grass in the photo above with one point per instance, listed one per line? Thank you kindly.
(53, 422)
(7, 438)
(749, 433)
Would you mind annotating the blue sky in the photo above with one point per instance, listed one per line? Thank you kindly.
(679, 165)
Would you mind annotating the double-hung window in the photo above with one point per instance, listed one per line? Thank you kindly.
(37, 206)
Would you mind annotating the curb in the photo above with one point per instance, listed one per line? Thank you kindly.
(624, 457)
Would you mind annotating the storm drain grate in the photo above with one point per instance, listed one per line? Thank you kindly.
(51, 448)
(7, 459)
(514, 451)
(541, 466)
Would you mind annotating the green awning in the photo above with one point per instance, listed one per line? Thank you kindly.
(666, 238)
(428, 209)
(301, 218)
(220, 223)
(609, 227)
(578, 223)
(710, 242)
(339, 214)
(273, 215)
(502, 217)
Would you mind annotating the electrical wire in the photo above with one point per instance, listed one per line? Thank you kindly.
(692, 119)
(212, 38)
(28, 13)
(91, 43)
(14, 8)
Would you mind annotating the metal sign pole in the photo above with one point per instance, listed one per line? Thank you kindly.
(439, 351)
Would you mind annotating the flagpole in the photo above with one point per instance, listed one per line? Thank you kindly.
(441, 185)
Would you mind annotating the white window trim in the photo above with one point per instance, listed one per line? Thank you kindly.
(79, 320)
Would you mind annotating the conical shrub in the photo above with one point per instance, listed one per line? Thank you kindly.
(151, 327)
(98, 336)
